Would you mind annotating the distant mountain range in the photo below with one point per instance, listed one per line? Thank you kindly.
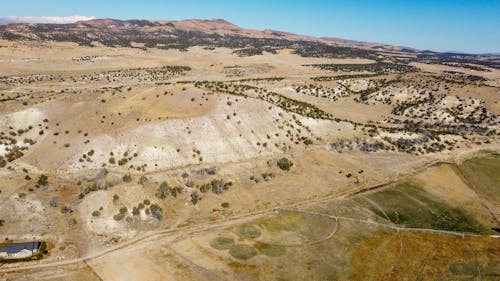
(166, 34)
(164, 27)
(491, 54)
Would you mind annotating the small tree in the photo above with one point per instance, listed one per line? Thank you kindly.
(143, 180)
(118, 216)
(127, 178)
(217, 186)
(53, 201)
(195, 198)
(284, 164)
(156, 211)
(43, 180)
(164, 190)
(66, 209)
(3, 162)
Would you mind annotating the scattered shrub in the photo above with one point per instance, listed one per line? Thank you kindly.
(118, 216)
(143, 180)
(156, 211)
(127, 178)
(53, 202)
(195, 198)
(43, 180)
(284, 164)
(66, 209)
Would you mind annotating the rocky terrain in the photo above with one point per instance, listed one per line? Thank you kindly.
(198, 149)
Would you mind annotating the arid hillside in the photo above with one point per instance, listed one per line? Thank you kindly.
(196, 149)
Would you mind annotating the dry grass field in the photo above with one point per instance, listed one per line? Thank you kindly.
(149, 163)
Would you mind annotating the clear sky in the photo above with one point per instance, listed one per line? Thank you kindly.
(440, 25)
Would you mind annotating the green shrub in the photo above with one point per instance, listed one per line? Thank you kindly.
(127, 178)
(164, 190)
(66, 209)
(156, 211)
(118, 217)
(43, 180)
(195, 198)
(284, 164)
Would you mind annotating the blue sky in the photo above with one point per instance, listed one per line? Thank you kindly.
(440, 25)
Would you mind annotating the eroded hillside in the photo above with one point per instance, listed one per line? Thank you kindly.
(103, 147)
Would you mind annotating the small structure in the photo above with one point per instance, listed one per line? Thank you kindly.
(19, 250)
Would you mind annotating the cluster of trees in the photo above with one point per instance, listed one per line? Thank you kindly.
(377, 67)
(94, 187)
(165, 190)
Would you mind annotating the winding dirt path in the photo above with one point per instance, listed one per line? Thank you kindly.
(234, 220)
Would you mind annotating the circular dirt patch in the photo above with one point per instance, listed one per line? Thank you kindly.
(222, 243)
(242, 251)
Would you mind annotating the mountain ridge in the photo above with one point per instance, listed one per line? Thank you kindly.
(214, 33)
(209, 26)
